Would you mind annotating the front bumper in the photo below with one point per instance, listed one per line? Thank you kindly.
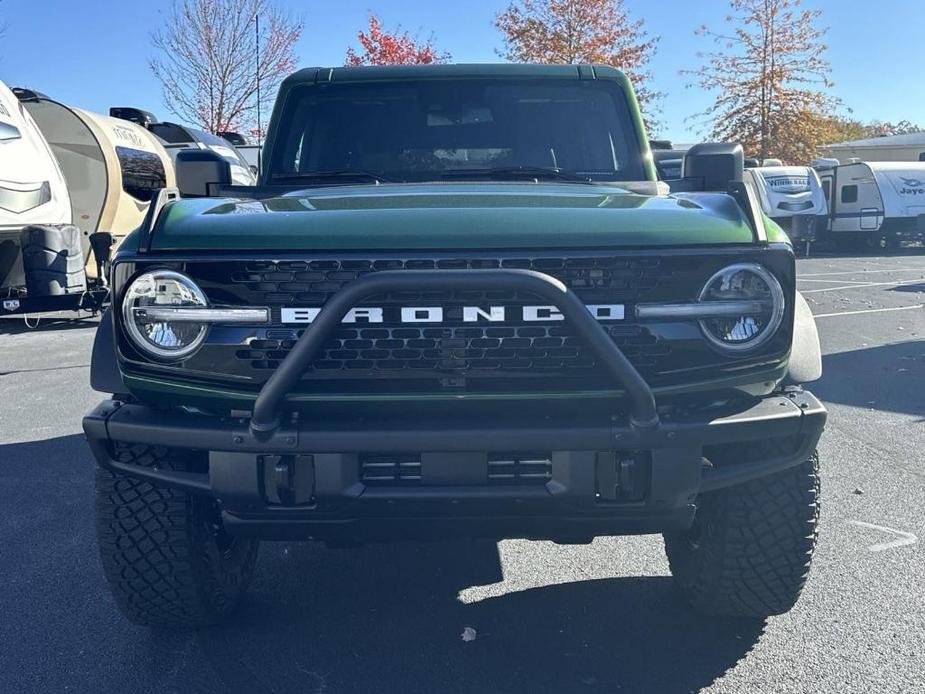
(305, 480)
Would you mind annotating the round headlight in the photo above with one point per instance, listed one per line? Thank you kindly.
(151, 327)
(755, 303)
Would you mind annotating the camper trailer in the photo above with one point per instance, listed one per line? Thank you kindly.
(875, 204)
(33, 194)
(175, 138)
(793, 197)
(112, 167)
(110, 171)
(668, 159)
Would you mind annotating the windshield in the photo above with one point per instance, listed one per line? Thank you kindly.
(439, 129)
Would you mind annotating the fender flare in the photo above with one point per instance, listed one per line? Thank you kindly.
(105, 376)
(806, 351)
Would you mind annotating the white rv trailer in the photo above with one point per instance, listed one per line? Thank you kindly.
(793, 197)
(32, 189)
(112, 169)
(875, 203)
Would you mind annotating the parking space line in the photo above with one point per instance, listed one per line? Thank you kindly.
(813, 279)
(903, 539)
(897, 283)
(868, 310)
(864, 272)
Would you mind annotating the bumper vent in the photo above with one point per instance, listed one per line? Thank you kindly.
(390, 470)
(521, 468)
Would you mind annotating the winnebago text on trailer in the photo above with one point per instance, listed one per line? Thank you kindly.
(793, 197)
(457, 303)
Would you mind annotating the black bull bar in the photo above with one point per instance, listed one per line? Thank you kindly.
(676, 444)
(642, 410)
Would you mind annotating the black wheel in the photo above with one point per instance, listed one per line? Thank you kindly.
(749, 550)
(166, 556)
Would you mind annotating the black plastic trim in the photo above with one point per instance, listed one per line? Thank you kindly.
(105, 376)
(795, 414)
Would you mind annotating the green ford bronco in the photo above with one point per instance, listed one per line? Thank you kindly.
(457, 303)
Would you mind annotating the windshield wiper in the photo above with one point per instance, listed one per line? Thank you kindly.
(334, 174)
(525, 172)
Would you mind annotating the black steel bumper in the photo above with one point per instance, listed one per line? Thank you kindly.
(305, 479)
(619, 468)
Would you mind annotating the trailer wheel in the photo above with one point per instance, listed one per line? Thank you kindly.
(165, 554)
(748, 553)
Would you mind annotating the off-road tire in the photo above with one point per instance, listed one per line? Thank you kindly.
(165, 555)
(749, 550)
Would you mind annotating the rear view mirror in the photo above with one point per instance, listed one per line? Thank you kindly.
(199, 171)
(714, 164)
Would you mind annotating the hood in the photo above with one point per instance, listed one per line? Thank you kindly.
(451, 216)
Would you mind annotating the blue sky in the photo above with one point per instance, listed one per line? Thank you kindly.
(94, 53)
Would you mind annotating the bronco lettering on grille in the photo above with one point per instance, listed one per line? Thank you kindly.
(466, 314)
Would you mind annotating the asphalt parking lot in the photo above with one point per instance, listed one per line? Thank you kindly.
(597, 618)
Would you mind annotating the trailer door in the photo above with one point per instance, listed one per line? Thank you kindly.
(857, 202)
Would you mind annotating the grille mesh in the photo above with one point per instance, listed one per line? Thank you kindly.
(411, 351)
(515, 348)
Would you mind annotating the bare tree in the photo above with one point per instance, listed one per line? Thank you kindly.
(770, 77)
(211, 60)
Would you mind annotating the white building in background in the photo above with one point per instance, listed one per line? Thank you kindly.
(909, 147)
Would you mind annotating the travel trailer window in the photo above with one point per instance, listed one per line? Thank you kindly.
(142, 173)
(170, 133)
(849, 194)
(827, 189)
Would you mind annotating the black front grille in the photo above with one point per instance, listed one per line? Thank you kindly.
(455, 355)
(481, 348)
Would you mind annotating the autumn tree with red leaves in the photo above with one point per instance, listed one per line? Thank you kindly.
(380, 47)
(770, 77)
(580, 31)
(208, 60)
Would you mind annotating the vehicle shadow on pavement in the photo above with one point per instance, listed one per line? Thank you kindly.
(383, 618)
(827, 250)
(917, 288)
(888, 377)
(387, 619)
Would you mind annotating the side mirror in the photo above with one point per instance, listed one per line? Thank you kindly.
(716, 164)
(199, 170)
(101, 243)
